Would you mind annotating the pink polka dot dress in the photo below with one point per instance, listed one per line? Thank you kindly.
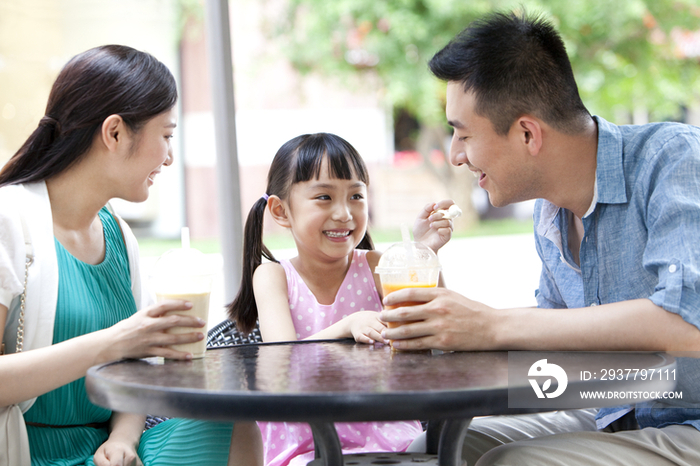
(287, 443)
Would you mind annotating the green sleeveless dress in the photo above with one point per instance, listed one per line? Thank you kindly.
(91, 298)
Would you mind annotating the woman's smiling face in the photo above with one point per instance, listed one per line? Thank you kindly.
(149, 152)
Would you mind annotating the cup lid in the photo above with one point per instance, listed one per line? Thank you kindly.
(182, 262)
(407, 255)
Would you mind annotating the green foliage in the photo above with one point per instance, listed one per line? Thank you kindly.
(622, 51)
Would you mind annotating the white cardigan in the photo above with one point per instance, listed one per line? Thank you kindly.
(32, 201)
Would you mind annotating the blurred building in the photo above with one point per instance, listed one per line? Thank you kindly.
(273, 104)
(37, 37)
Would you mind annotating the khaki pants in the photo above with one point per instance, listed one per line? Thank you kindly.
(570, 438)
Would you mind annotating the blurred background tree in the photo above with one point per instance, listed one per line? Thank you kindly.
(626, 55)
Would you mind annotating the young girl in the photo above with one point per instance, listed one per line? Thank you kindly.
(317, 187)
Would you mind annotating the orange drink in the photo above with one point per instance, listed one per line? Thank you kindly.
(407, 265)
(391, 287)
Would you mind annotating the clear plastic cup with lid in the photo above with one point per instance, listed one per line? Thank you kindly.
(407, 265)
(185, 273)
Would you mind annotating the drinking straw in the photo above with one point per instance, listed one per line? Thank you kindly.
(405, 234)
(406, 237)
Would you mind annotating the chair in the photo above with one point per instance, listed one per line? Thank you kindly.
(226, 334)
(223, 334)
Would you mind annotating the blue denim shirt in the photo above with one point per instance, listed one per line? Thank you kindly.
(641, 239)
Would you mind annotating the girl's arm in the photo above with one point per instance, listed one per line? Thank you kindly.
(122, 445)
(363, 326)
(271, 298)
(32, 373)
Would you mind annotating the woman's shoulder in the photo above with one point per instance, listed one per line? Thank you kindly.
(10, 224)
(28, 203)
(10, 195)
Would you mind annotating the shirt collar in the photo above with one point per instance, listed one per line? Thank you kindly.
(610, 177)
(591, 208)
(609, 186)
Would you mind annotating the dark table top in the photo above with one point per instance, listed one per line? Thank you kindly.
(343, 382)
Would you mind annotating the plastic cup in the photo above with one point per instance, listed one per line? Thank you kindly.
(185, 274)
(407, 265)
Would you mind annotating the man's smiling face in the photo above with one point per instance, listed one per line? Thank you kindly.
(499, 162)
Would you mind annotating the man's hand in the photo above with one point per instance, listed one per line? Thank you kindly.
(431, 228)
(446, 320)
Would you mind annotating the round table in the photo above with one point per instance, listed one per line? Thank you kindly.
(323, 382)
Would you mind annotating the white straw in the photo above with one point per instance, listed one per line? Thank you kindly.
(405, 235)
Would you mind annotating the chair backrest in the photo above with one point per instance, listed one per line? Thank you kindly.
(227, 334)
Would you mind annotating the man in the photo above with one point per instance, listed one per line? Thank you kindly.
(617, 227)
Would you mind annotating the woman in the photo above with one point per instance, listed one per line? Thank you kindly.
(106, 134)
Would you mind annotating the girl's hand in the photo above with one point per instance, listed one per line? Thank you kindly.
(430, 228)
(117, 453)
(366, 327)
(144, 333)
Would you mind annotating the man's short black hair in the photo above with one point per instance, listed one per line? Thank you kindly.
(514, 65)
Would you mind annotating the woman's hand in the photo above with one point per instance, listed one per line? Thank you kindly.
(366, 327)
(144, 333)
(121, 448)
(430, 228)
(117, 453)
(32, 373)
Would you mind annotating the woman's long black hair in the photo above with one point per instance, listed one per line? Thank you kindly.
(298, 160)
(103, 81)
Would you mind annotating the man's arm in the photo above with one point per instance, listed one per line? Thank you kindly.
(450, 321)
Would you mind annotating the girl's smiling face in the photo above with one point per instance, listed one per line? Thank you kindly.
(328, 216)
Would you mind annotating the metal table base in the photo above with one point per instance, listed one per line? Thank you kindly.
(450, 434)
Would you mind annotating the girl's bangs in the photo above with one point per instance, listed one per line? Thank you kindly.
(343, 159)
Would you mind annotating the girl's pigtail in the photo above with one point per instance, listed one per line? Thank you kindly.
(243, 310)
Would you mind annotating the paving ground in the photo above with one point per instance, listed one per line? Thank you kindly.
(501, 271)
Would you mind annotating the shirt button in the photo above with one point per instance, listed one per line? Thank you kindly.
(672, 268)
